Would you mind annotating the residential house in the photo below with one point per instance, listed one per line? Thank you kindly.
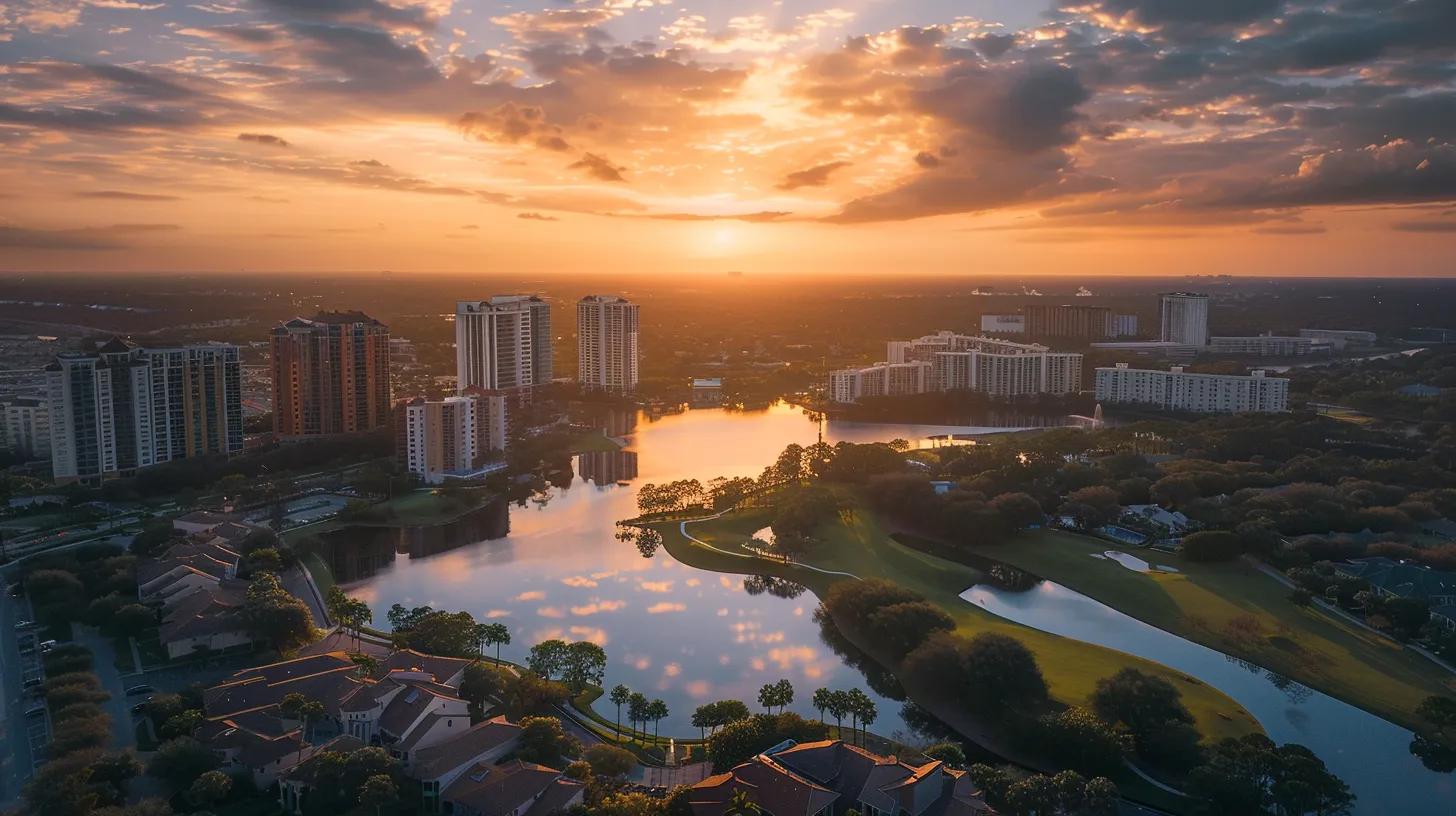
(1399, 579)
(438, 766)
(294, 788)
(1170, 521)
(514, 788)
(832, 777)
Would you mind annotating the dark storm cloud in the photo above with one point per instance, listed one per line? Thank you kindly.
(1391, 173)
(1185, 12)
(816, 176)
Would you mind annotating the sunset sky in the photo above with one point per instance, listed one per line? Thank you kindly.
(870, 136)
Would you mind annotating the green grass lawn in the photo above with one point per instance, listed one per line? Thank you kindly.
(1198, 602)
(860, 546)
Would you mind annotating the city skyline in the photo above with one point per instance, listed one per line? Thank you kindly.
(1110, 137)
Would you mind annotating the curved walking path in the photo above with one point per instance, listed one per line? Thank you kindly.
(682, 528)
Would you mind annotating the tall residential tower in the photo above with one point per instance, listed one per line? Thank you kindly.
(330, 375)
(1185, 318)
(606, 342)
(503, 343)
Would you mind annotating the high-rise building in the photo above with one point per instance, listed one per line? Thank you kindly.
(454, 437)
(1185, 318)
(990, 365)
(1003, 323)
(1067, 320)
(123, 408)
(330, 375)
(606, 342)
(25, 427)
(1179, 390)
(503, 343)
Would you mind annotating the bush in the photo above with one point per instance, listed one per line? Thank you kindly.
(738, 741)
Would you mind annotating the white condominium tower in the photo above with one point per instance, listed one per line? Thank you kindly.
(503, 343)
(606, 342)
(1179, 390)
(1185, 318)
(947, 361)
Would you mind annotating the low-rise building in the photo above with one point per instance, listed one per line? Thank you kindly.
(1003, 323)
(1340, 338)
(1180, 390)
(1399, 579)
(879, 380)
(1267, 345)
(947, 361)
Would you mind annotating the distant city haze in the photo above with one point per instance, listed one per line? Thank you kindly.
(694, 139)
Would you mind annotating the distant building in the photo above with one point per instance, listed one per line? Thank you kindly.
(1179, 390)
(1067, 320)
(947, 361)
(124, 408)
(1152, 349)
(1184, 318)
(25, 427)
(1004, 324)
(1124, 325)
(1398, 579)
(330, 375)
(707, 392)
(1431, 334)
(1267, 345)
(454, 437)
(1340, 338)
(879, 380)
(606, 343)
(503, 343)
(1419, 390)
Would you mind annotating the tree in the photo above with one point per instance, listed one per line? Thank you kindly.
(1211, 545)
(1092, 507)
(991, 673)
(494, 634)
(656, 711)
(548, 658)
(899, 628)
(637, 705)
(378, 791)
(296, 706)
(273, 615)
(1075, 738)
(738, 741)
(210, 789)
(180, 761)
(181, 724)
(1033, 796)
(609, 760)
(451, 634)
(1018, 511)
(1152, 711)
(821, 701)
(1252, 775)
(545, 741)
(130, 620)
(619, 695)
(480, 683)
(948, 753)
(584, 664)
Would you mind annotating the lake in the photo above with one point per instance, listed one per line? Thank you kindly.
(553, 569)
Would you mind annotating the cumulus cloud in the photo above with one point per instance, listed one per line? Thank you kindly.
(264, 139)
(513, 123)
(535, 216)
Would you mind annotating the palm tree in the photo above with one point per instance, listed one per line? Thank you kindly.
(784, 693)
(637, 706)
(657, 711)
(492, 634)
(741, 805)
(620, 695)
(821, 701)
(867, 717)
(838, 707)
(859, 705)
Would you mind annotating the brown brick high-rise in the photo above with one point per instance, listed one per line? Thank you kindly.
(330, 375)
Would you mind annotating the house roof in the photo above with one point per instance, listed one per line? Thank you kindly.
(502, 789)
(326, 678)
(442, 668)
(1405, 580)
(480, 739)
(337, 640)
(408, 706)
(773, 787)
(307, 772)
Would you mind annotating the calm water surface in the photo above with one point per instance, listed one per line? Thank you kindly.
(1368, 753)
(670, 631)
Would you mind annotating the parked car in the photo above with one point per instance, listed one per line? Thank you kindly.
(25, 624)
(47, 645)
(33, 682)
(141, 689)
(141, 707)
(36, 711)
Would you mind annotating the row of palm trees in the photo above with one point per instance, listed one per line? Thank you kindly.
(639, 709)
(854, 704)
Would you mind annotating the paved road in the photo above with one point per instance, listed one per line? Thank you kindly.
(123, 734)
(15, 764)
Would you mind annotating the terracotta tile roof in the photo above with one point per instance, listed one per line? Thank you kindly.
(501, 790)
(443, 668)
